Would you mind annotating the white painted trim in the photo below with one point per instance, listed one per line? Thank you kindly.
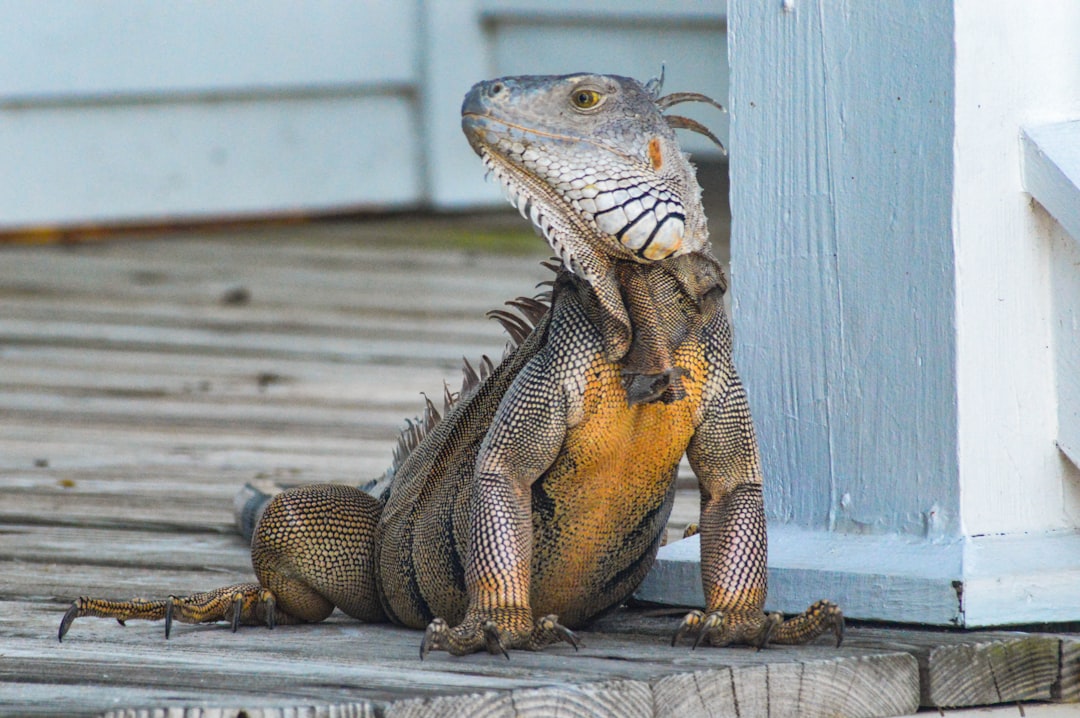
(1051, 169)
(886, 578)
(974, 582)
(1021, 579)
(1050, 159)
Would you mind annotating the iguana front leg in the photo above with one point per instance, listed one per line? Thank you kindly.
(523, 441)
(724, 455)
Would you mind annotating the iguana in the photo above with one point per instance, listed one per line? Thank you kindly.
(539, 500)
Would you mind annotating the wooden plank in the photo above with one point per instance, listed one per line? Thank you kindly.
(871, 686)
(612, 674)
(1051, 167)
(1001, 671)
(386, 382)
(632, 699)
(343, 710)
(1067, 688)
(977, 668)
(148, 549)
(404, 275)
(57, 584)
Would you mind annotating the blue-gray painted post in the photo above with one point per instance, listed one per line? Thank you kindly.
(892, 304)
(841, 176)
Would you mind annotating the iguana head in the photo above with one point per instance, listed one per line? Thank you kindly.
(593, 162)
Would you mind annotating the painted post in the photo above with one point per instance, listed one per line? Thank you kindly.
(894, 309)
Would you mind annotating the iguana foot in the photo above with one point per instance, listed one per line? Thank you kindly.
(721, 629)
(472, 635)
(244, 603)
(758, 629)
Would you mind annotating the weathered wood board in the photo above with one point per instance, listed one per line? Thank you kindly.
(139, 389)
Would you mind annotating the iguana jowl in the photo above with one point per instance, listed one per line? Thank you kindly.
(539, 500)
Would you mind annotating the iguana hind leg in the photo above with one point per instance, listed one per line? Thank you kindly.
(312, 550)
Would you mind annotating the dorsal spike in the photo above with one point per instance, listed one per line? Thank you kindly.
(469, 379)
(530, 308)
(514, 325)
(656, 85)
(676, 98)
(679, 122)
(431, 414)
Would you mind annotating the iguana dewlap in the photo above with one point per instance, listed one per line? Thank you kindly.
(539, 500)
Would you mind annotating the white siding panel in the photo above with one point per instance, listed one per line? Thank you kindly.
(457, 55)
(130, 162)
(1014, 69)
(58, 48)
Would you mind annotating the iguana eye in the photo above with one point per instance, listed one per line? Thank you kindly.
(584, 99)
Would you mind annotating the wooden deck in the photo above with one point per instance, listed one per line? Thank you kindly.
(144, 380)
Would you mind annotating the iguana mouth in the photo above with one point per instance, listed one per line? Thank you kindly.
(551, 215)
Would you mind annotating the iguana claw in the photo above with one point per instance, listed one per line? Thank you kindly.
(434, 637)
(712, 621)
(691, 622)
(495, 639)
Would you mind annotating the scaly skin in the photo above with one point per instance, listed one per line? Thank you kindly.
(539, 501)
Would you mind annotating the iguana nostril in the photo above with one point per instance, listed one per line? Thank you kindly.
(496, 89)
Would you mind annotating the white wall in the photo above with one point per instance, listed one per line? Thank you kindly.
(131, 110)
(124, 110)
(1014, 67)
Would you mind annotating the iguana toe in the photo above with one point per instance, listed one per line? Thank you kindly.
(691, 625)
(120, 610)
(495, 639)
(434, 638)
(757, 629)
(241, 604)
(547, 631)
(822, 617)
